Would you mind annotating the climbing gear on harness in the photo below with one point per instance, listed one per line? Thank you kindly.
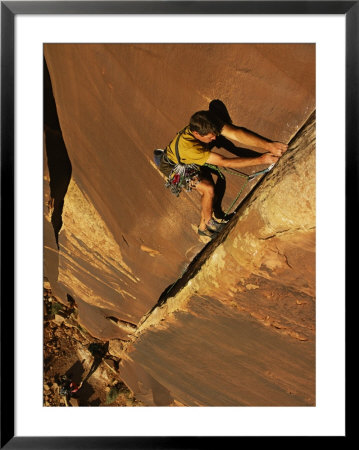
(182, 176)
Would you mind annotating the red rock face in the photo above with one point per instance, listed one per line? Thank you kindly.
(240, 329)
(125, 238)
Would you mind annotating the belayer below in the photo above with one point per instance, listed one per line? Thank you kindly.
(184, 159)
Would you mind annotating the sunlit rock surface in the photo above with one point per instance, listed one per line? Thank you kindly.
(239, 329)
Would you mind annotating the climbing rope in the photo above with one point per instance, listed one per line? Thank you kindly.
(237, 197)
(240, 174)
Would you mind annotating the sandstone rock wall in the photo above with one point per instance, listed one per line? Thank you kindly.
(115, 104)
(238, 328)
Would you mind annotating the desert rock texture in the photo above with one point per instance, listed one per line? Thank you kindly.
(231, 322)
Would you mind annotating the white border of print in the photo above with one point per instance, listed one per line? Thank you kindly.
(327, 417)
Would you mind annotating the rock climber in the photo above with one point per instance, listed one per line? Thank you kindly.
(192, 146)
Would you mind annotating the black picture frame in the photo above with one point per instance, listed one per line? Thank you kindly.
(9, 9)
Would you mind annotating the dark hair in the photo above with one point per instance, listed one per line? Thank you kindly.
(205, 122)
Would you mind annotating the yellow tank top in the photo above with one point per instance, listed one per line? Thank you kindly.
(191, 150)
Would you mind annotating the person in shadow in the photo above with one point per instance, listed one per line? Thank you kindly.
(186, 159)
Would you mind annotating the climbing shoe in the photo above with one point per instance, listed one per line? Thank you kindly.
(227, 217)
(223, 218)
(213, 225)
(207, 233)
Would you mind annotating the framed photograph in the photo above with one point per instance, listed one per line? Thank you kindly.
(171, 287)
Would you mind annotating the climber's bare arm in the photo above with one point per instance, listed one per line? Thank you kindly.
(245, 137)
(237, 163)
